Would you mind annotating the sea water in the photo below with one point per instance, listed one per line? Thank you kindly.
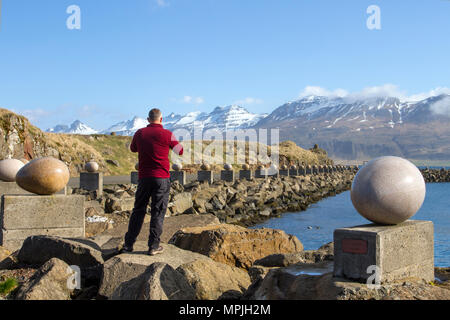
(314, 227)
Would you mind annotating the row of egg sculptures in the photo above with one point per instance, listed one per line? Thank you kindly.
(388, 190)
(44, 176)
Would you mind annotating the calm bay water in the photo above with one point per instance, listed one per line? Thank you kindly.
(314, 227)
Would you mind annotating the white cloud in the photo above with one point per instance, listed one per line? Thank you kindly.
(189, 100)
(319, 91)
(441, 107)
(386, 90)
(33, 114)
(432, 93)
(249, 100)
(162, 3)
(199, 100)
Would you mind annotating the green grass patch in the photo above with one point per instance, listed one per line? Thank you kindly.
(7, 286)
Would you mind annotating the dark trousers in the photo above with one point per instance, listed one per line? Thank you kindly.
(158, 189)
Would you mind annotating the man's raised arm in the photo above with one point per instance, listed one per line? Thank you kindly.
(176, 146)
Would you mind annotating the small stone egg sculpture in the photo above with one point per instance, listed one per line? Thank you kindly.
(205, 167)
(91, 166)
(228, 167)
(245, 167)
(9, 169)
(177, 166)
(388, 190)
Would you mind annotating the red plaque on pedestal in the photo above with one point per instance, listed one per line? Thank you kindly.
(356, 246)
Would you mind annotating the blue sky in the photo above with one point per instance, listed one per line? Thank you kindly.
(189, 55)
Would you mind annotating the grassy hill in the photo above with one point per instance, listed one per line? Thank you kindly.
(20, 139)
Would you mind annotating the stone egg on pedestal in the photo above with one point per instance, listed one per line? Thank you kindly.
(228, 167)
(284, 167)
(91, 166)
(245, 167)
(205, 167)
(388, 190)
(44, 176)
(177, 166)
(9, 169)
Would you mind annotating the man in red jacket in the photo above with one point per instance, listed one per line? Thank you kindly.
(152, 144)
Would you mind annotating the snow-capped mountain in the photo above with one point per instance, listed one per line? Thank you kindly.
(365, 127)
(356, 113)
(77, 127)
(221, 118)
(127, 128)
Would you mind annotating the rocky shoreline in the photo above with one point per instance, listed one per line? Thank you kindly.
(243, 202)
(209, 252)
(436, 175)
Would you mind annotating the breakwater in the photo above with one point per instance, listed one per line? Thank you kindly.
(243, 201)
(436, 175)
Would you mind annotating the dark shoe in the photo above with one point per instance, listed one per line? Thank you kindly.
(125, 249)
(153, 252)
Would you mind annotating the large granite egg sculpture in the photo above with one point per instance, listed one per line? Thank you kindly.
(388, 190)
(44, 176)
(9, 169)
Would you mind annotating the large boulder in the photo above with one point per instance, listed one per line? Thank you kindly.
(181, 202)
(127, 266)
(159, 282)
(36, 250)
(82, 253)
(316, 282)
(235, 245)
(213, 280)
(49, 282)
(324, 253)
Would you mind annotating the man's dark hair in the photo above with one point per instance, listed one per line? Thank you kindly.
(154, 114)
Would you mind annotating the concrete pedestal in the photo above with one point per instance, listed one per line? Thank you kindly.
(308, 171)
(399, 251)
(205, 175)
(293, 172)
(284, 173)
(227, 175)
(11, 188)
(134, 177)
(301, 171)
(261, 174)
(245, 174)
(179, 176)
(92, 181)
(22, 216)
